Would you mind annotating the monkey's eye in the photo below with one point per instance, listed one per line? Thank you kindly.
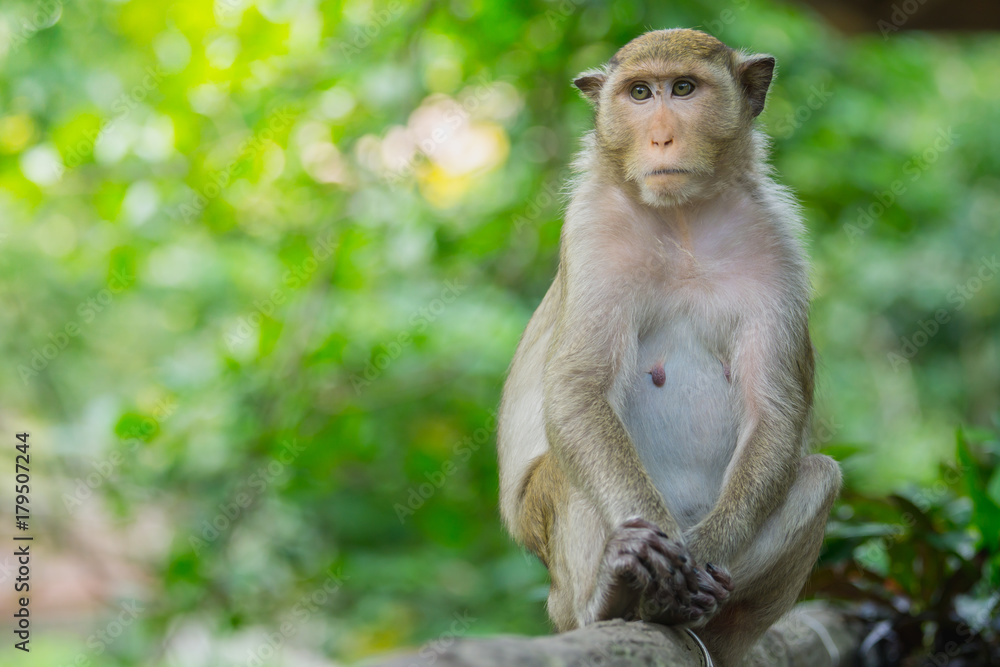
(682, 88)
(640, 91)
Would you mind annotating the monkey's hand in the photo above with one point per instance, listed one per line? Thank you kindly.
(673, 601)
(641, 564)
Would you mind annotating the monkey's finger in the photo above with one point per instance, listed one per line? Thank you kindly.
(677, 584)
(662, 543)
(694, 578)
(636, 522)
(685, 566)
(658, 553)
(669, 588)
(656, 540)
(662, 607)
(710, 587)
(720, 575)
(677, 555)
(657, 563)
(704, 603)
(630, 570)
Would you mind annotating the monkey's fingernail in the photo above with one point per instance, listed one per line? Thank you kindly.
(710, 568)
(682, 559)
(663, 535)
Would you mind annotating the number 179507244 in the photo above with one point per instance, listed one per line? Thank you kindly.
(21, 478)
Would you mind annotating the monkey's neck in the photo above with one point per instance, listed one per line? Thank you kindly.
(689, 267)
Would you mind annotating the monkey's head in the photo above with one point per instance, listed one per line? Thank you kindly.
(675, 107)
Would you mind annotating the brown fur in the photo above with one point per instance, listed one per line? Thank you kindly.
(676, 45)
(679, 253)
(544, 491)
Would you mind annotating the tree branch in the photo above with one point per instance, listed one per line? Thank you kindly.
(813, 634)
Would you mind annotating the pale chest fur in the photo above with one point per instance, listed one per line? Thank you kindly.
(698, 279)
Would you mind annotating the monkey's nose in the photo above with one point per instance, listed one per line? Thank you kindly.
(662, 141)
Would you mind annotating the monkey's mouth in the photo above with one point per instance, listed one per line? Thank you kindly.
(664, 172)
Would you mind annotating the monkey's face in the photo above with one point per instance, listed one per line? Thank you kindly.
(668, 122)
(669, 105)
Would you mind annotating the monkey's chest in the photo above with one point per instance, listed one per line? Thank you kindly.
(680, 411)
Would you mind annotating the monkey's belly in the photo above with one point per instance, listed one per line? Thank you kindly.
(682, 420)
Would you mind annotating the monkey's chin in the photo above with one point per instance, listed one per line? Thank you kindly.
(667, 188)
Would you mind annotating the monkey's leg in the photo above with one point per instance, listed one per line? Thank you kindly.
(560, 526)
(574, 558)
(769, 575)
(596, 573)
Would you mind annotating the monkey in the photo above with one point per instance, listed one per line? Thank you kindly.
(653, 427)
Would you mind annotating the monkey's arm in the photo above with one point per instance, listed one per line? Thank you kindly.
(595, 338)
(774, 374)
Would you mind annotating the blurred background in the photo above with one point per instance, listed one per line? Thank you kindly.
(263, 265)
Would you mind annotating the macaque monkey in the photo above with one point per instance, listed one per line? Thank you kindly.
(654, 423)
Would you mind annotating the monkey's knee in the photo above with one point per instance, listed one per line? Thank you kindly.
(818, 485)
(790, 539)
(802, 517)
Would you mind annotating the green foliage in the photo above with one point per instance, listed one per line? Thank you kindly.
(264, 264)
(926, 559)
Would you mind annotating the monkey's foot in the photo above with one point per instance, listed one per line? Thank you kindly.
(640, 561)
(673, 602)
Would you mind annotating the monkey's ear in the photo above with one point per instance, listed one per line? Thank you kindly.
(755, 75)
(590, 84)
